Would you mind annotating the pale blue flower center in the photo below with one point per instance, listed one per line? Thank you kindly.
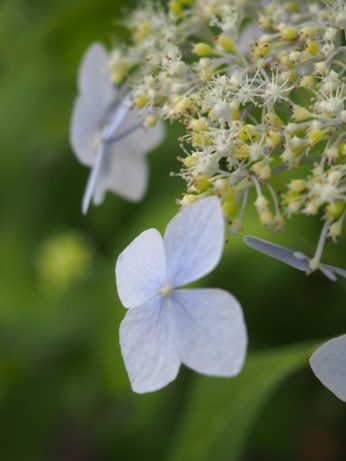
(166, 290)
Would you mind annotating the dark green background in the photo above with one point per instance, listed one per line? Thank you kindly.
(64, 392)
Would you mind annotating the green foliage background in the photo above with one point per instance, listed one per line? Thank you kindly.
(64, 392)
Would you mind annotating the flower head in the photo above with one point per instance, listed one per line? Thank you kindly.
(166, 326)
(329, 365)
(106, 134)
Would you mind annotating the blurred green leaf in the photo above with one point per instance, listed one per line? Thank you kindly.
(221, 412)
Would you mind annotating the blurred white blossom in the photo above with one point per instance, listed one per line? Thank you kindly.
(107, 134)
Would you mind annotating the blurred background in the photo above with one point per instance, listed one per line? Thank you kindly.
(64, 392)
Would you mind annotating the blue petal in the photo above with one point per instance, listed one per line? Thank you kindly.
(329, 365)
(122, 173)
(210, 330)
(292, 258)
(93, 81)
(142, 140)
(124, 168)
(141, 269)
(148, 346)
(92, 180)
(333, 270)
(328, 272)
(193, 241)
(118, 118)
(85, 128)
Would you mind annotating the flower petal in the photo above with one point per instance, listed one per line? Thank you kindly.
(85, 127)
(329, 365)
(334, 270)
(210, 330)
(93, 82)
(143, 140)
(117, 118)
(121, 167)
(292, 258)
(194, 241)
(92, 180)
(139, 140)
(141, 269)
(148, 347)
(123, 173)
(328, 272)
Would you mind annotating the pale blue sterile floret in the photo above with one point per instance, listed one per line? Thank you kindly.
(329, 365)
(106, 134)
(165, 326)
(295, 259)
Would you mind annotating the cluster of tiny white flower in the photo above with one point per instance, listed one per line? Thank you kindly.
(260, 88)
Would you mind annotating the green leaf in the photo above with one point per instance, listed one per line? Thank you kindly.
(222, 411)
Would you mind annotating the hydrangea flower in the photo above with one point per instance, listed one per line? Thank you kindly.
(106, 134)
(295, 259)
(329, 365)
(165, 326)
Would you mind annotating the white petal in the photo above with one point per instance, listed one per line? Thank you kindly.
(85, 127)
(328, 272)
(144, 140)
(140, 140)
(210, 330)
(117, 118)
(92, 180)
(334, 270)
(93, 82)
(148, 347)
(292, 258)
(122, 173)
(194, 241)
(329, 365)
(141, 269)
